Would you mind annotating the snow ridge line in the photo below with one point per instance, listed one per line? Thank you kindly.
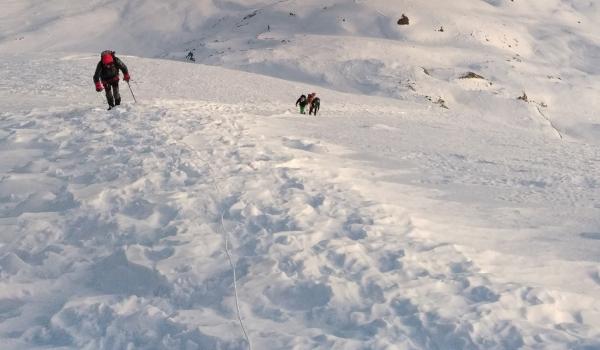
(226, 235)
(549, 121)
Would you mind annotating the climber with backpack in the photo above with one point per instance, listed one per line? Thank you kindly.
(310, 97)
(107, 77)
(315, 105)
(302, 102)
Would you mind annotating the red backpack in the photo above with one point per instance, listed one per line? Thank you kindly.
(107, 57)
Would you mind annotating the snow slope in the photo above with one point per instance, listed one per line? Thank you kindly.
(388, 222)
(111, 220)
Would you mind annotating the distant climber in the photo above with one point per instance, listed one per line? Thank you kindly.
(310, 97)
(403, 21)
(190, 56)
(107, 77)
(315, 104)
(302, 102)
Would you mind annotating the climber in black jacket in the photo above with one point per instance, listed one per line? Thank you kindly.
(107, 76)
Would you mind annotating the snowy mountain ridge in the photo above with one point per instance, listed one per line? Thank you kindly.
(387, 222)
(545, 49)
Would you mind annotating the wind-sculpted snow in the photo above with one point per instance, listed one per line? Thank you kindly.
(377, 225)
(134, 258)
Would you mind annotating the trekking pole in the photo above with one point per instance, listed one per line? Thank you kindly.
(134, 100)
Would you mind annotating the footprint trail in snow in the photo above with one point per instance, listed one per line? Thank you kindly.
(112, 239)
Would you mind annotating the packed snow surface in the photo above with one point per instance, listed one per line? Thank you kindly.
(424, 208)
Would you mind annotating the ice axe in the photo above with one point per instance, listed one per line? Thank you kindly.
(134, 100)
